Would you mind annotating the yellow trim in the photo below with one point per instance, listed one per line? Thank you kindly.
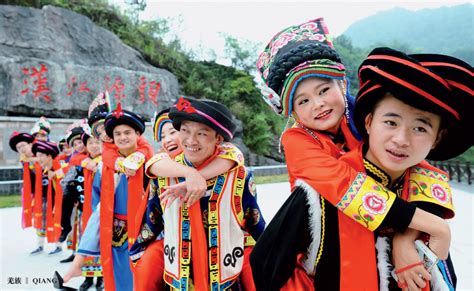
(376, 171)
(431, 187)
(366, 202)
(156, 158)
(229, 151)
(323, 231)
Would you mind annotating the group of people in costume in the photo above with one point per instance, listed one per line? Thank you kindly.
(366, 212)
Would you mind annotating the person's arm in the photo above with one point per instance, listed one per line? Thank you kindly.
(111, 158)
(150, 222)
(354, 193)
(194, 187)
(254, 223)
(96, 187)
(437, 228)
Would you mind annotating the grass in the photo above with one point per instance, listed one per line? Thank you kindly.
(271, 179)
(10, 201)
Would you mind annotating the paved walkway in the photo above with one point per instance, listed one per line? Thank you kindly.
(35, 272)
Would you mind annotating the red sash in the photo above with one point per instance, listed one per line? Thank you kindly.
(26, 219)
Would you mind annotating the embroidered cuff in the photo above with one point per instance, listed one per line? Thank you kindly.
(156, 158)
(431, 187)
(399, 216)
(229, 151)
(366, 202)
(134, 161)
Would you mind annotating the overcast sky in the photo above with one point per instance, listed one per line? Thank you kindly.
(259, 21)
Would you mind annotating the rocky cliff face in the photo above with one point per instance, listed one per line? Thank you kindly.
(53, 62)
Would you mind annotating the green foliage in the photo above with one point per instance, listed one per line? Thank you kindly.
(352, 57)
(446, 30)
(242, 53)
(232, 86)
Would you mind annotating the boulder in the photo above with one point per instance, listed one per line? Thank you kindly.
(53, 62)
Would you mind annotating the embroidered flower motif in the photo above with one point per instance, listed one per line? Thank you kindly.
(263, 60)
(373, 203)
(317, 37)
(368, 217)
(185, 105)
(265, 73)
(439, 193)
(281, 41)
(312, 26)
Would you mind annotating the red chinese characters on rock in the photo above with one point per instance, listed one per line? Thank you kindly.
(82, 87)
(153, 90)
(36, 82)
(116, 89)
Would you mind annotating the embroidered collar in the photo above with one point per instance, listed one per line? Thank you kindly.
(383, 178)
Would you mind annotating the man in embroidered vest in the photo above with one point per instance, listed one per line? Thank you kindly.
(207, 245)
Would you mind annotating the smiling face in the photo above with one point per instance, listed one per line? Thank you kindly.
(94, 147)
(125, 138)
(319, 104)
(78, 145)
(198, 141)
(99, 131)
(400, 136)
(67, 150)
(170, 139)
(45, 161)
(24, 148)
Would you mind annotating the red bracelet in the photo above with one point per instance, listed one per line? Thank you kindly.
(407, 267)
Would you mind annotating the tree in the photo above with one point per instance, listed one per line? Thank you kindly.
(241, 53)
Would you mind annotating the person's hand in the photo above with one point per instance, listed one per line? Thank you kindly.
(404, 254)
(91, 165)
(172, 193)
(437, 228)
(196, 187)
(76, 268)
(129, 172)
(51, 174)
(440, 241)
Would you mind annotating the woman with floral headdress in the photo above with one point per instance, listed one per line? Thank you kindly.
(301, 64)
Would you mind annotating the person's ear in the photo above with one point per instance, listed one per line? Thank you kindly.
(440, 136)
(368, 122)
(220, 138)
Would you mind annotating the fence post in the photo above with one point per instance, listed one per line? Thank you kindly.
(468, 172)
(458, 171)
